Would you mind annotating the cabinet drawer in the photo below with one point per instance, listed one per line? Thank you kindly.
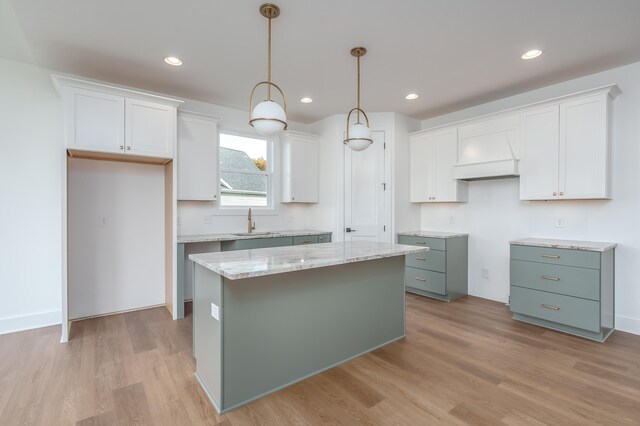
(421, 279)
(432, 243)
(305, 239)
(571, 311)
(569, 280)
(432, 260)
(579, 258)
(325, 238)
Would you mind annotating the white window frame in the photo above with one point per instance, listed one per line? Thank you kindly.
(270, 208)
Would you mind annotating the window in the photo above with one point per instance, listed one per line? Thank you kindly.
(245, 171)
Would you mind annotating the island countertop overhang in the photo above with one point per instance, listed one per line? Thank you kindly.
(243, 264)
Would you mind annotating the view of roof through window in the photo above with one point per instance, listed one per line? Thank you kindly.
(244, 171)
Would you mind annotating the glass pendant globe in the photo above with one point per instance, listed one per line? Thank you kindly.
(269, 110)
(360, 133)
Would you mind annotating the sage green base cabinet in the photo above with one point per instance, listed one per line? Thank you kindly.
(440, 273)
(271, 331)
(566, 289)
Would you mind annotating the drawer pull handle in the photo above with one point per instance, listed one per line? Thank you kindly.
(420, 279)
(421, 258)
(550, 256)
(553, 308)
(421, 242)
(551, 278)
(306, 241)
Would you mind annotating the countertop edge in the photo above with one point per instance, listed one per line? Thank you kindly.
(566, 244)
(433, 234)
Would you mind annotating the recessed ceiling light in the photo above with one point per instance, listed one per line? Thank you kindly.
(532, 54)
(172, 60)
(411, 96)
(306, 100)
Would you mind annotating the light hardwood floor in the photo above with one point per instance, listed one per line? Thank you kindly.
(462, 363)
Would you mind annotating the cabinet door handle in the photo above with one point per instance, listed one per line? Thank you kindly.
(420, 279)
(553, 308)
(128, 148)
(421, 258)
(306, 241)
(562, 193)
(121, 147)
(555, 194)
(550, 256)
(551, 278)
(421, 242)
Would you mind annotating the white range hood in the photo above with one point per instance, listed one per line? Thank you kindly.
(488, 149)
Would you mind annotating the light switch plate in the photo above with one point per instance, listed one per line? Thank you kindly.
(215, 311)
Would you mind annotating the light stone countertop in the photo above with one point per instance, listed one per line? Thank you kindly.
(433, 234)
(268, 261)
(564, 244)
(230, 236)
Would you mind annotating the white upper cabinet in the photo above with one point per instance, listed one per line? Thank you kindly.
(115, 123)
(567, 148)
(539, 133)
(150, 128)
(299, 167)
(197, 157)
(432, 157)
(95, 121)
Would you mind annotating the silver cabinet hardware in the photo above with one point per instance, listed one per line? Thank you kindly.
(306, 241)
(421, 258)
(550, 256)
(555, 194)
(121, 147)
(421, 242)
(562, 193)
(551, 278)
(420, 279)
(553, 308)
(128, 148)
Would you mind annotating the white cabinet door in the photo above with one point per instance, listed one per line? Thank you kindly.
(150, 129)
(447, 189)
(299, 168)
(197, 157)
(539, 132)
(584, 149)
(422, 163)
(94, 120)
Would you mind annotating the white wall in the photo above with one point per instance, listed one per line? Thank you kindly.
(193, 214)
(494, 215)
(406, 215)
(117, 266)
(30, 216)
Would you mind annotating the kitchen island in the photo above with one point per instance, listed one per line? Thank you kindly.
(267, 318)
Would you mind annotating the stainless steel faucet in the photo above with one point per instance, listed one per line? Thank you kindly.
(250, 225)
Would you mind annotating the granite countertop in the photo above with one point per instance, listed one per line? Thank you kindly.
(268, 261)
(564, 244)
(433, 234)
(244, 236)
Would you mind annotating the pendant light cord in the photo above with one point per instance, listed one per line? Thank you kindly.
(269, 61)
(358, 89)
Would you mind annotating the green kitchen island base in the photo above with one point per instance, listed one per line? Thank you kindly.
(256, 335)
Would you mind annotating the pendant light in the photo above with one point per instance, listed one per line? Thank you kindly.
(268, 117)
(358, 134)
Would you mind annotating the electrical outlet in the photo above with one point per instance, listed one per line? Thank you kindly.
(560, 222)
(485, 273)
(452, 220)
(208, 220)
(103, 221)
(215, 311)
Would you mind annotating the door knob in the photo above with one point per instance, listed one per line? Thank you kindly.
(350, 230)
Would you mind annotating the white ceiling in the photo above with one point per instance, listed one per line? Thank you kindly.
(454, 54)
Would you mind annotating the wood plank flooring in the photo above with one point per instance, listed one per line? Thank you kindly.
(462, 363)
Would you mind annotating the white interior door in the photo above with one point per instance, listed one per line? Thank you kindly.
(365, 191)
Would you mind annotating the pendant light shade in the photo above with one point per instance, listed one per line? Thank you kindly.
(268, 117)
(358, 134)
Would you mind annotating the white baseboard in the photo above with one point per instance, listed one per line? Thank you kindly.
(628, 324)
(28, 322)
